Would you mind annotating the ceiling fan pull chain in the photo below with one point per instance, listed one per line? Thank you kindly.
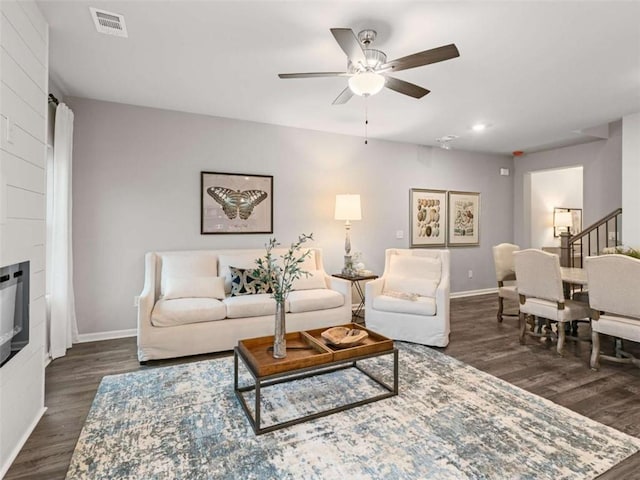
(366, 120)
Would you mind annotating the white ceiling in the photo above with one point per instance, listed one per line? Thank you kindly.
(536, 72)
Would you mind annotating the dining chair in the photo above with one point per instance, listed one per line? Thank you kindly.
(541, 294)
(506, 276)
(614, 296)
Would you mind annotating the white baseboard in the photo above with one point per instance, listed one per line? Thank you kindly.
(113, 334)
(473, 293)
(14, 454)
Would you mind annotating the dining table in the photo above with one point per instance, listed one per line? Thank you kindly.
(574, 276)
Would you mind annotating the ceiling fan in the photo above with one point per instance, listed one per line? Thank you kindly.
(367, 68)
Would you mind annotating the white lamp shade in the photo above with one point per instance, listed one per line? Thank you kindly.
(367, 83)
(348, 207)
(563, 219)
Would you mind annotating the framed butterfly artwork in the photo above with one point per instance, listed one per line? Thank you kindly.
(234, 203)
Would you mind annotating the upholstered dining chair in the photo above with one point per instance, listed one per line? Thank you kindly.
(505, 275)
(410, 301)
(614, 296)
(541, 294)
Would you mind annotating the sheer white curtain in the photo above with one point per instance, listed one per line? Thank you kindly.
(63, 329)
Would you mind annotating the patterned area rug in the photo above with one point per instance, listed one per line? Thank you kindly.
(450, 421)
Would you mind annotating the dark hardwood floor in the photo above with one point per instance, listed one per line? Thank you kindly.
(610, 396)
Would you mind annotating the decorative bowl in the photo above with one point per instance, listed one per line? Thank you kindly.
(343, 337)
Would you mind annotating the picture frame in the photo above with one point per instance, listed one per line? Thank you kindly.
(463, 219)
(427, 217)
(576, 220)
(235, 203)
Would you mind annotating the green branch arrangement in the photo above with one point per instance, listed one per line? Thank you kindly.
(631, 252)
(280, 275)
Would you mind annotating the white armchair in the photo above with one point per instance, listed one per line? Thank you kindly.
(505, 275)
(410, 301)
(614, 296)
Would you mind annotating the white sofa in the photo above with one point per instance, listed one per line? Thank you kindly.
(186, 306)
(410, 302)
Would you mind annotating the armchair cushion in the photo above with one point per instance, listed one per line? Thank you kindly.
(413, 266)
(181, 311)
(411, 285)
(420, 306)
(413, 275)
(194, 287)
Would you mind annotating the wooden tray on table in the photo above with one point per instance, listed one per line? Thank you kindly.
(302, 351)
(374, 343)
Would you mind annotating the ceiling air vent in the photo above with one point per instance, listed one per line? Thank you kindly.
(109, 23)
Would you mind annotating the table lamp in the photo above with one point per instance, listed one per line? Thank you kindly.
(562, 220)
(348, 209)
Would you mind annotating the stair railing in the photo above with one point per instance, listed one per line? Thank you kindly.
(605, 233)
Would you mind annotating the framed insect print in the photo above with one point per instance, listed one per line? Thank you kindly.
(235, 203)
(427, 217)
(464, 219)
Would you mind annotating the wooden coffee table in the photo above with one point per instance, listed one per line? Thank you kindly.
(307, 355)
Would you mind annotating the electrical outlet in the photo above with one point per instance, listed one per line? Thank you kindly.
(470, 273)
(136, 301)
(399, 234)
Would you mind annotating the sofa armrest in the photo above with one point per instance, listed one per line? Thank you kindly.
(342, 286)
(147, 298)
(371, 290)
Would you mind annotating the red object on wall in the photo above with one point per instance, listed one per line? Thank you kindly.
(517, 153)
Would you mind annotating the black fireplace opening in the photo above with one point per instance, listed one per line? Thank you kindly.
(14, 310)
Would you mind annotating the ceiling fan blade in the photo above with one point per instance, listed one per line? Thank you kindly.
(406, 88)
(427, 57)
(349, 44)
(313, 75)
(344, 97)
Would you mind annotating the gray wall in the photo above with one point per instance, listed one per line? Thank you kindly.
(602, 182)
(136, 188)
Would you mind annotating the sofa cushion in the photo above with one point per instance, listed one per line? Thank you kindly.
(192, 287)
(311, 300)
(180, 311)
(250, 305)
(313, 281)
(420, 306)
(187, 265)
(244, 283)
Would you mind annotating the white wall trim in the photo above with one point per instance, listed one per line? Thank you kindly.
(25, 436)
(473, 293)
(111, 335)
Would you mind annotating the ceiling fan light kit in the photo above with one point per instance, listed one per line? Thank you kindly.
(367, 68)
(367, 83)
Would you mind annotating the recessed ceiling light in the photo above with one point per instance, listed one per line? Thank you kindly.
(478, 127)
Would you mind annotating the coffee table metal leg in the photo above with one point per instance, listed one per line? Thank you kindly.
(256, 427)
(395, 371)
